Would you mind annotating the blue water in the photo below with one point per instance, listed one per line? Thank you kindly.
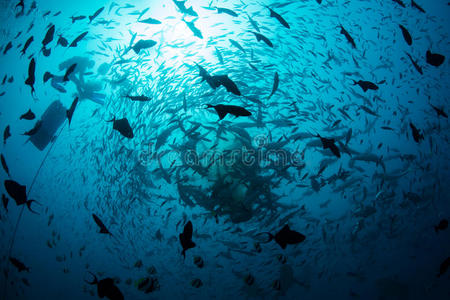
(368, 216)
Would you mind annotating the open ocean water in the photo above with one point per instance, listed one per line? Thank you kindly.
(224, 149)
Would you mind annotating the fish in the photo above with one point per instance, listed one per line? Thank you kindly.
(440, 112)
(19, 193)
(31, 79)
(260, 37)
(20, 266)
(283, 22)
(348, 36)
(5, 201)
(62, 41)
(198, 261)
(369, 111)
(97, 12)
(78, 39)
(237, 45)
(77, 18)
(35, 129)
(186, 238)
(285, 237)
(47, 40)
(444, 267)
(435, 59)
(138, 98)
(106, 288)
(197, 282)
(7, 48)
(47, 76)
(123, 127)
(416, 66)
(227, 11)
(222, 110)
(4, 165)
(100, 224)
(415, 5)
(150, 21)
(219, 55)
(29, 115)
(276, 82)
(225, 81)
(68, 72)
(71, 110)
(188, 11)
(443, 224)
(143, 44)
(330, 144)
(27, 44)
(406, 35)
(6, 134)
(400, 2)
(195, 30)
(253, 23)
(416, 134)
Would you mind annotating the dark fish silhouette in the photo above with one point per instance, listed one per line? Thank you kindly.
(406, 35)
(366, 85)
(106, 288)
(35, 129)
(4, 165)
(443, 224)
(194, 29)
(100, 224)
(226, 11)
(415, 133)
(8, 46)
(285, 237)
(440, 112)
(27, 44)
(123, 127)
(47, 40)
(188, 11)
(329, 143)
(222, 110)
(276, 82)
(279, 18)
(415, 5)
(70, 111)
(29, 115)
(68, 72)
(31, 79)
(18, 264)
(150, 21)
(141, 98)
(62, 41)
(435, 59)
(47, 76)
(143, 44)
(186, 238)
(77, 18)
(348, 36)
(416, 66)
(19, 193)
(6, 134)
(97, 12)
(78, 39)
(400, 2)
(5, 201)
(260, 37)
(225, 81)
(444, 267)
(237, 45)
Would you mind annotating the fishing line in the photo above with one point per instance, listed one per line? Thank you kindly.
(11, 245)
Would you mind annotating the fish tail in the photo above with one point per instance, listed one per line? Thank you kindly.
(113, 119)
(209, 106)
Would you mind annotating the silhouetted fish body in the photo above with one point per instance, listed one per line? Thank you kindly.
(222, 110)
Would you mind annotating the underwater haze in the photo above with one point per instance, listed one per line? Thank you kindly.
(233, 149)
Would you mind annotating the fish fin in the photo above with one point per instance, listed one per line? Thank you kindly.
(112, 119)
(29, 202)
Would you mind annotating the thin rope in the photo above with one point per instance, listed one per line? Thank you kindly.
(13, 239)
